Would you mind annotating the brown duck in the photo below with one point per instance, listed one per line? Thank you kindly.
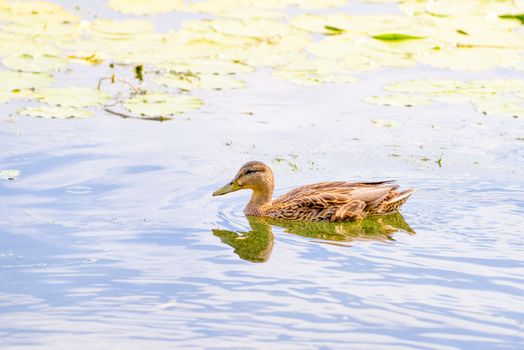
(325, 201)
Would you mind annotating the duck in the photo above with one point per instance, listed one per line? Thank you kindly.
(325, 201)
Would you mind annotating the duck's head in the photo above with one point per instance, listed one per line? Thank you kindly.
(255, 175)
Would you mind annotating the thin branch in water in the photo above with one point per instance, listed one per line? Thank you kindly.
(123, 115)
(127, 116)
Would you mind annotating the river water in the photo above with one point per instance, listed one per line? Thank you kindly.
(110, 239)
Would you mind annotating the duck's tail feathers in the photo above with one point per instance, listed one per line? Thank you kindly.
(396, 202)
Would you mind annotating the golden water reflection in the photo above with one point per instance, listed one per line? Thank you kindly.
(256, 245)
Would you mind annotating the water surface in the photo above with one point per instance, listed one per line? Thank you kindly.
(110, 237)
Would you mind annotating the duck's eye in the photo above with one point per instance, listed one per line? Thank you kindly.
(250, 171)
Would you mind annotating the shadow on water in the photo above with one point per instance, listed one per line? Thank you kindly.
(256, 245)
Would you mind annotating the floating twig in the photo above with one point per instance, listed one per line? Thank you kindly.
(129, 116)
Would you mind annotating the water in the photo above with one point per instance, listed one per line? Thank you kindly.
(110, 237)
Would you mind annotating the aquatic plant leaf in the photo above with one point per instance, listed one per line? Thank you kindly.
(308, 78)
(427, 86)
(25, 8)
(452, 8)
(119, 29)
(18, 44)
(7, 95)
(479, 34)
(317, 4)
(44, 28)
(93, 59)
(9, 174)
(312, 23)
(263, 58)
(518, 17)
(113, 47)
(399, 100)
(334, 30)
(495, 86)
(35, 63)
(407, 48)
(383, 123)
(55, 112)
(337, 48)
(207, 66)
(159, 104)
(351, 25)
(146, 7)
(22, 80)
(73, 96)
(256, 28)
(396, 37)
(200, 81)
(139, 72)
(465, 59)
(244, 13)
(201, 31)
(505, 107)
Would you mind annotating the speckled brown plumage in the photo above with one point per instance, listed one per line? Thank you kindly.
(326, 201)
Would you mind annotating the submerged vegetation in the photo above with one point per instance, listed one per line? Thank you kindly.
(236, 37)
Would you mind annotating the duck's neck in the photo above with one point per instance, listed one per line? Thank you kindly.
(259, 199)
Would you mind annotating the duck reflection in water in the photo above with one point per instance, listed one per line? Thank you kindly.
(256, 245)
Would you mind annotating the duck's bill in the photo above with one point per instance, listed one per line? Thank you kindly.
(230, 187)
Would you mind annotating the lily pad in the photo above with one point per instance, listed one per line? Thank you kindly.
(145, 7)
(35, 63)
(336, 48)
(308, 78)
(495, 86)
(257, 28)
(383, 123)
(22, 80)
(20, 8)
(317, 4)
(7, 95)
(313, 23)
(427, 86)
(207, 66)
(399, 100)
(465, 59)
(43, 28)
(72, 96)
(250, 12)
(159, 104)
(16, 44)
(119, 29)
(505, 107)
(200, 81)
(478, 34)
(54, 112)
(9, 174)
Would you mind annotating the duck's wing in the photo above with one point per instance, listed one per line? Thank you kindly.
(330, 201)
(338, 187)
